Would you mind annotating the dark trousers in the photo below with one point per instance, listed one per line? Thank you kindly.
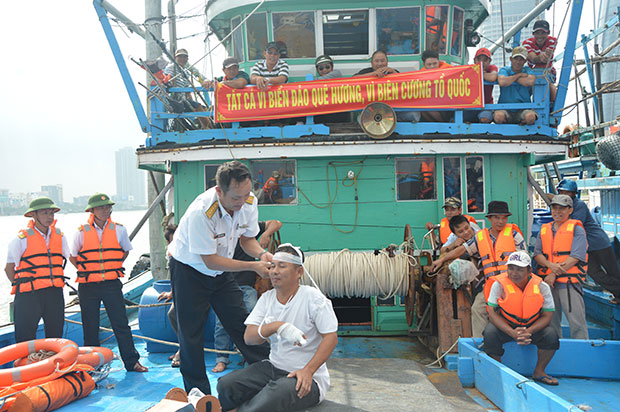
(193, 294)
(109, 292)
(263, 387)
(30, 307)
(603, 268)
(494, 339)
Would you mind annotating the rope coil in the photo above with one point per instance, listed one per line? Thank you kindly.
(359, 274)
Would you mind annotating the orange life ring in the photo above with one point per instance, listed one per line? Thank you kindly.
(66, 354)
(94, 356)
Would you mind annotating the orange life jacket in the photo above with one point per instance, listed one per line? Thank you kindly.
(520, 307)
(99, 260)
(493, 258)
(444, 228)
(41, 266)
(557, 248)
(269, 187)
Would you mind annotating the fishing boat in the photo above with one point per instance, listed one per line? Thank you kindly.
(367, 182)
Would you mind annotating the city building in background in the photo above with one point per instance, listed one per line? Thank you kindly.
(130, 181)
(609, 71)
(54, 192)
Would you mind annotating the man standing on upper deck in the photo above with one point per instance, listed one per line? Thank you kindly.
(602, 262)
(201, 262)
(233, 77)
(34, 266)
(492, 247)
(489, 73)
(272, 70)
(98, 250)
(540, 50)
(516, 82)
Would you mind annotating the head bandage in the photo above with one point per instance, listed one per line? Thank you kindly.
(296, 260)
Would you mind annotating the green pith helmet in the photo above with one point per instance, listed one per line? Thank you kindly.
(41, 203)
(98, 199)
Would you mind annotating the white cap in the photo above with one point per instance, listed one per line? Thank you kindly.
(519, 258)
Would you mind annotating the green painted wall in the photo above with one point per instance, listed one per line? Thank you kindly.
(380, 218)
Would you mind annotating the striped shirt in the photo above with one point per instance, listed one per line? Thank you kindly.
(531, 47)
(180, 80)
(280, 69)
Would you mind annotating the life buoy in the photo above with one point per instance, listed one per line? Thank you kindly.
(66, 354)
(94, 356)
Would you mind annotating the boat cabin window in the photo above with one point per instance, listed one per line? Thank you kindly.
(345, 32)
(452, 177)
(436, 28)
(275, 181)
(296, 31)
(474, 172)
(210, 171)
(237, 38)
(256, 31)
(398, 30)
(415, 179)
(456, 40)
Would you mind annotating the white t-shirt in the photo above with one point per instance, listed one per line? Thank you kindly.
(452, 237)
(311, 313)
(206, 228)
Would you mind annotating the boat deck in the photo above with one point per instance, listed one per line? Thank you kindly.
(367, 374)
(600, 394)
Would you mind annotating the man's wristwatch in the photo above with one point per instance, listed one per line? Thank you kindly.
(261, 254)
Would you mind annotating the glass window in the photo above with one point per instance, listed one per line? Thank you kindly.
(237, 38)
(295, 31)
(256, 29)
(474, 172)
(398, 30)
(436, 28)
(457, 32)
(210, 171)
(275, 181)
(452, 177)
(345, 32)
(415, 179)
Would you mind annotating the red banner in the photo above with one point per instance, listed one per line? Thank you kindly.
(457, 87)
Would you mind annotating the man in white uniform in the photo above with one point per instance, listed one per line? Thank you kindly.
(201, 251)
(301, 325)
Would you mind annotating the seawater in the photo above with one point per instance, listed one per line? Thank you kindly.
(68, 223)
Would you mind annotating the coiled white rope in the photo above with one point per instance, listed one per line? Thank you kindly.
(359, 274)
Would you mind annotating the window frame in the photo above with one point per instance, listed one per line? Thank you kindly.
(396, 160)
(462, 33)
(376, 37)
(247, 41)
(448, 33)
(371, 33)
(295, 202)
(232, 38)
(205, 165)
(484, 186)
(443, 175)
(271, 32)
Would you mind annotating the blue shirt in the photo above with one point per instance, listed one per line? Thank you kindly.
(597, 238)
(515, 93)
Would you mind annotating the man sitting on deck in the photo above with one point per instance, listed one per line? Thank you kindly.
(302, 327)
(483, 55)
(271, 70)
(521, 307)
(233, 77)
(462, 230)
(430, 61)
(540, 50)
(492, 247)
(378, 66)
(516, 82)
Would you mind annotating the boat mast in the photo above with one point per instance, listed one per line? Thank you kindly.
(156, 181)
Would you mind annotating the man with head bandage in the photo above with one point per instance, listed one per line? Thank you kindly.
(301, 326)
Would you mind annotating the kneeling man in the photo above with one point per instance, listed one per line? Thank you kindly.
(520, 309)
(301, 325)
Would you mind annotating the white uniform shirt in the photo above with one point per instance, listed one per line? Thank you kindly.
(207, 228)
(311, 313)
(121, 235)
(18, 245)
